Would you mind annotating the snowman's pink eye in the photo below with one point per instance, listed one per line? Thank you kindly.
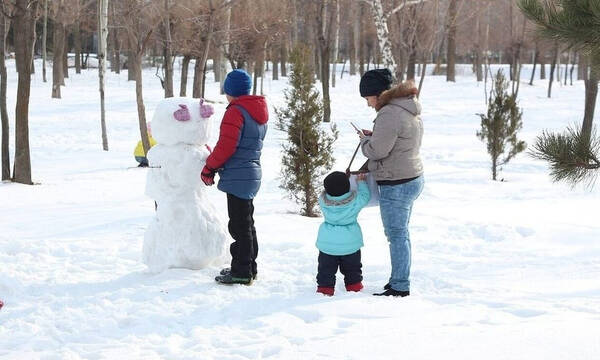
(206, 111)
(183, 114)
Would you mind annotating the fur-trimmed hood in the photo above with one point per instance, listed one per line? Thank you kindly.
(399, 93)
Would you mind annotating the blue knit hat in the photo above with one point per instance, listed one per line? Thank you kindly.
(237, 83)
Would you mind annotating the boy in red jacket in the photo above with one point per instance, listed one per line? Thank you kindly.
(236, 158)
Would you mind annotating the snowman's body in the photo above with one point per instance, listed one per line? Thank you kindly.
(186, 232)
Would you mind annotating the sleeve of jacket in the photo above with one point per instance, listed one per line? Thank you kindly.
(229, 137)
(379, 145)
(363, 195)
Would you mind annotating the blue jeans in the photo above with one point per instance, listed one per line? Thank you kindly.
(395, 204)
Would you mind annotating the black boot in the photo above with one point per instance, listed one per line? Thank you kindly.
(387, 286)
(227, 271)
(230, 280)
(392, 292)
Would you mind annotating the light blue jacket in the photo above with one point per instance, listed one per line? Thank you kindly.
(340, 233)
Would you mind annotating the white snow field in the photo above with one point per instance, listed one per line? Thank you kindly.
(501, 270)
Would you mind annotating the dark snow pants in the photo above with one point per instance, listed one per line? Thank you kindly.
(244, 248)
(350, 266)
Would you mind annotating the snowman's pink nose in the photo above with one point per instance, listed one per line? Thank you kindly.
(183, 114)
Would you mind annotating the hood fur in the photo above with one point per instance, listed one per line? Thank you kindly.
(405, 89)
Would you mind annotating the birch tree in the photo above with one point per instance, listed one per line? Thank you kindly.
(383, 35)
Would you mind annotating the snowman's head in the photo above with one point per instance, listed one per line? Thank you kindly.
(182, 120)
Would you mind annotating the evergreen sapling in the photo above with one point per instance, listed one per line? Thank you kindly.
(307, 153)
(499, 127)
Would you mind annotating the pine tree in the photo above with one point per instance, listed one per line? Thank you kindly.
(307, 154)
(499, 127)
(573, 155)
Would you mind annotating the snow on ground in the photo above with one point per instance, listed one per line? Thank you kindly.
(501, 270)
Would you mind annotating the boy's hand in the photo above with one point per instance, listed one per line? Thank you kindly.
(361, 177)
(208, 176)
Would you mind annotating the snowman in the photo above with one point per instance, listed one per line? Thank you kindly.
(186, 232)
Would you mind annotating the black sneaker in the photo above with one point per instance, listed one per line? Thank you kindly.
(227, 271)
(230, 280)
(392, 292)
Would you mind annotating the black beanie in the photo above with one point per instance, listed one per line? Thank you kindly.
(336, 183)
(375, 81)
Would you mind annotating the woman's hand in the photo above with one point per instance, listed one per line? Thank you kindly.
(361, 177)
(367, 132)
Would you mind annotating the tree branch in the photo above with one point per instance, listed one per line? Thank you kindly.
(405, 4)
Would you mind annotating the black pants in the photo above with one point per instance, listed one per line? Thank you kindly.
(244, 248)
(349, 265)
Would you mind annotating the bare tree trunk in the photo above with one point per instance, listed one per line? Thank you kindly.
(423, 74)
(115, 64)
(591, 93)
(573, 67)
(263, 63)
(140, 104)
(223, 64)
(168, 54)
(204, 57)
(275, 56)
(451, 50)
(4, 22)
(24, 38)
(102, 35)
(77, 44)
(361, 41)
(44, 40)
(542, 68)
(552, 68)
(255, 77)
(324, 21)
(217, 68)
(204, 71)
(66, 56)
(558, 63)
(478, 45)
(567, 67)
(336, 42)
(355, 40)
(412, 61)
(284, 59)
(581, 67)
(131, 63)
(57, 59)
(536, 56)
(184, 75)
(196, 89)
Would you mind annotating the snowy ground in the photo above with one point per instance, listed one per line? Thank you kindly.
(501, 270)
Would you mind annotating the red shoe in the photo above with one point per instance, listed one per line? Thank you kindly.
(356, 287)
(328, 291)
